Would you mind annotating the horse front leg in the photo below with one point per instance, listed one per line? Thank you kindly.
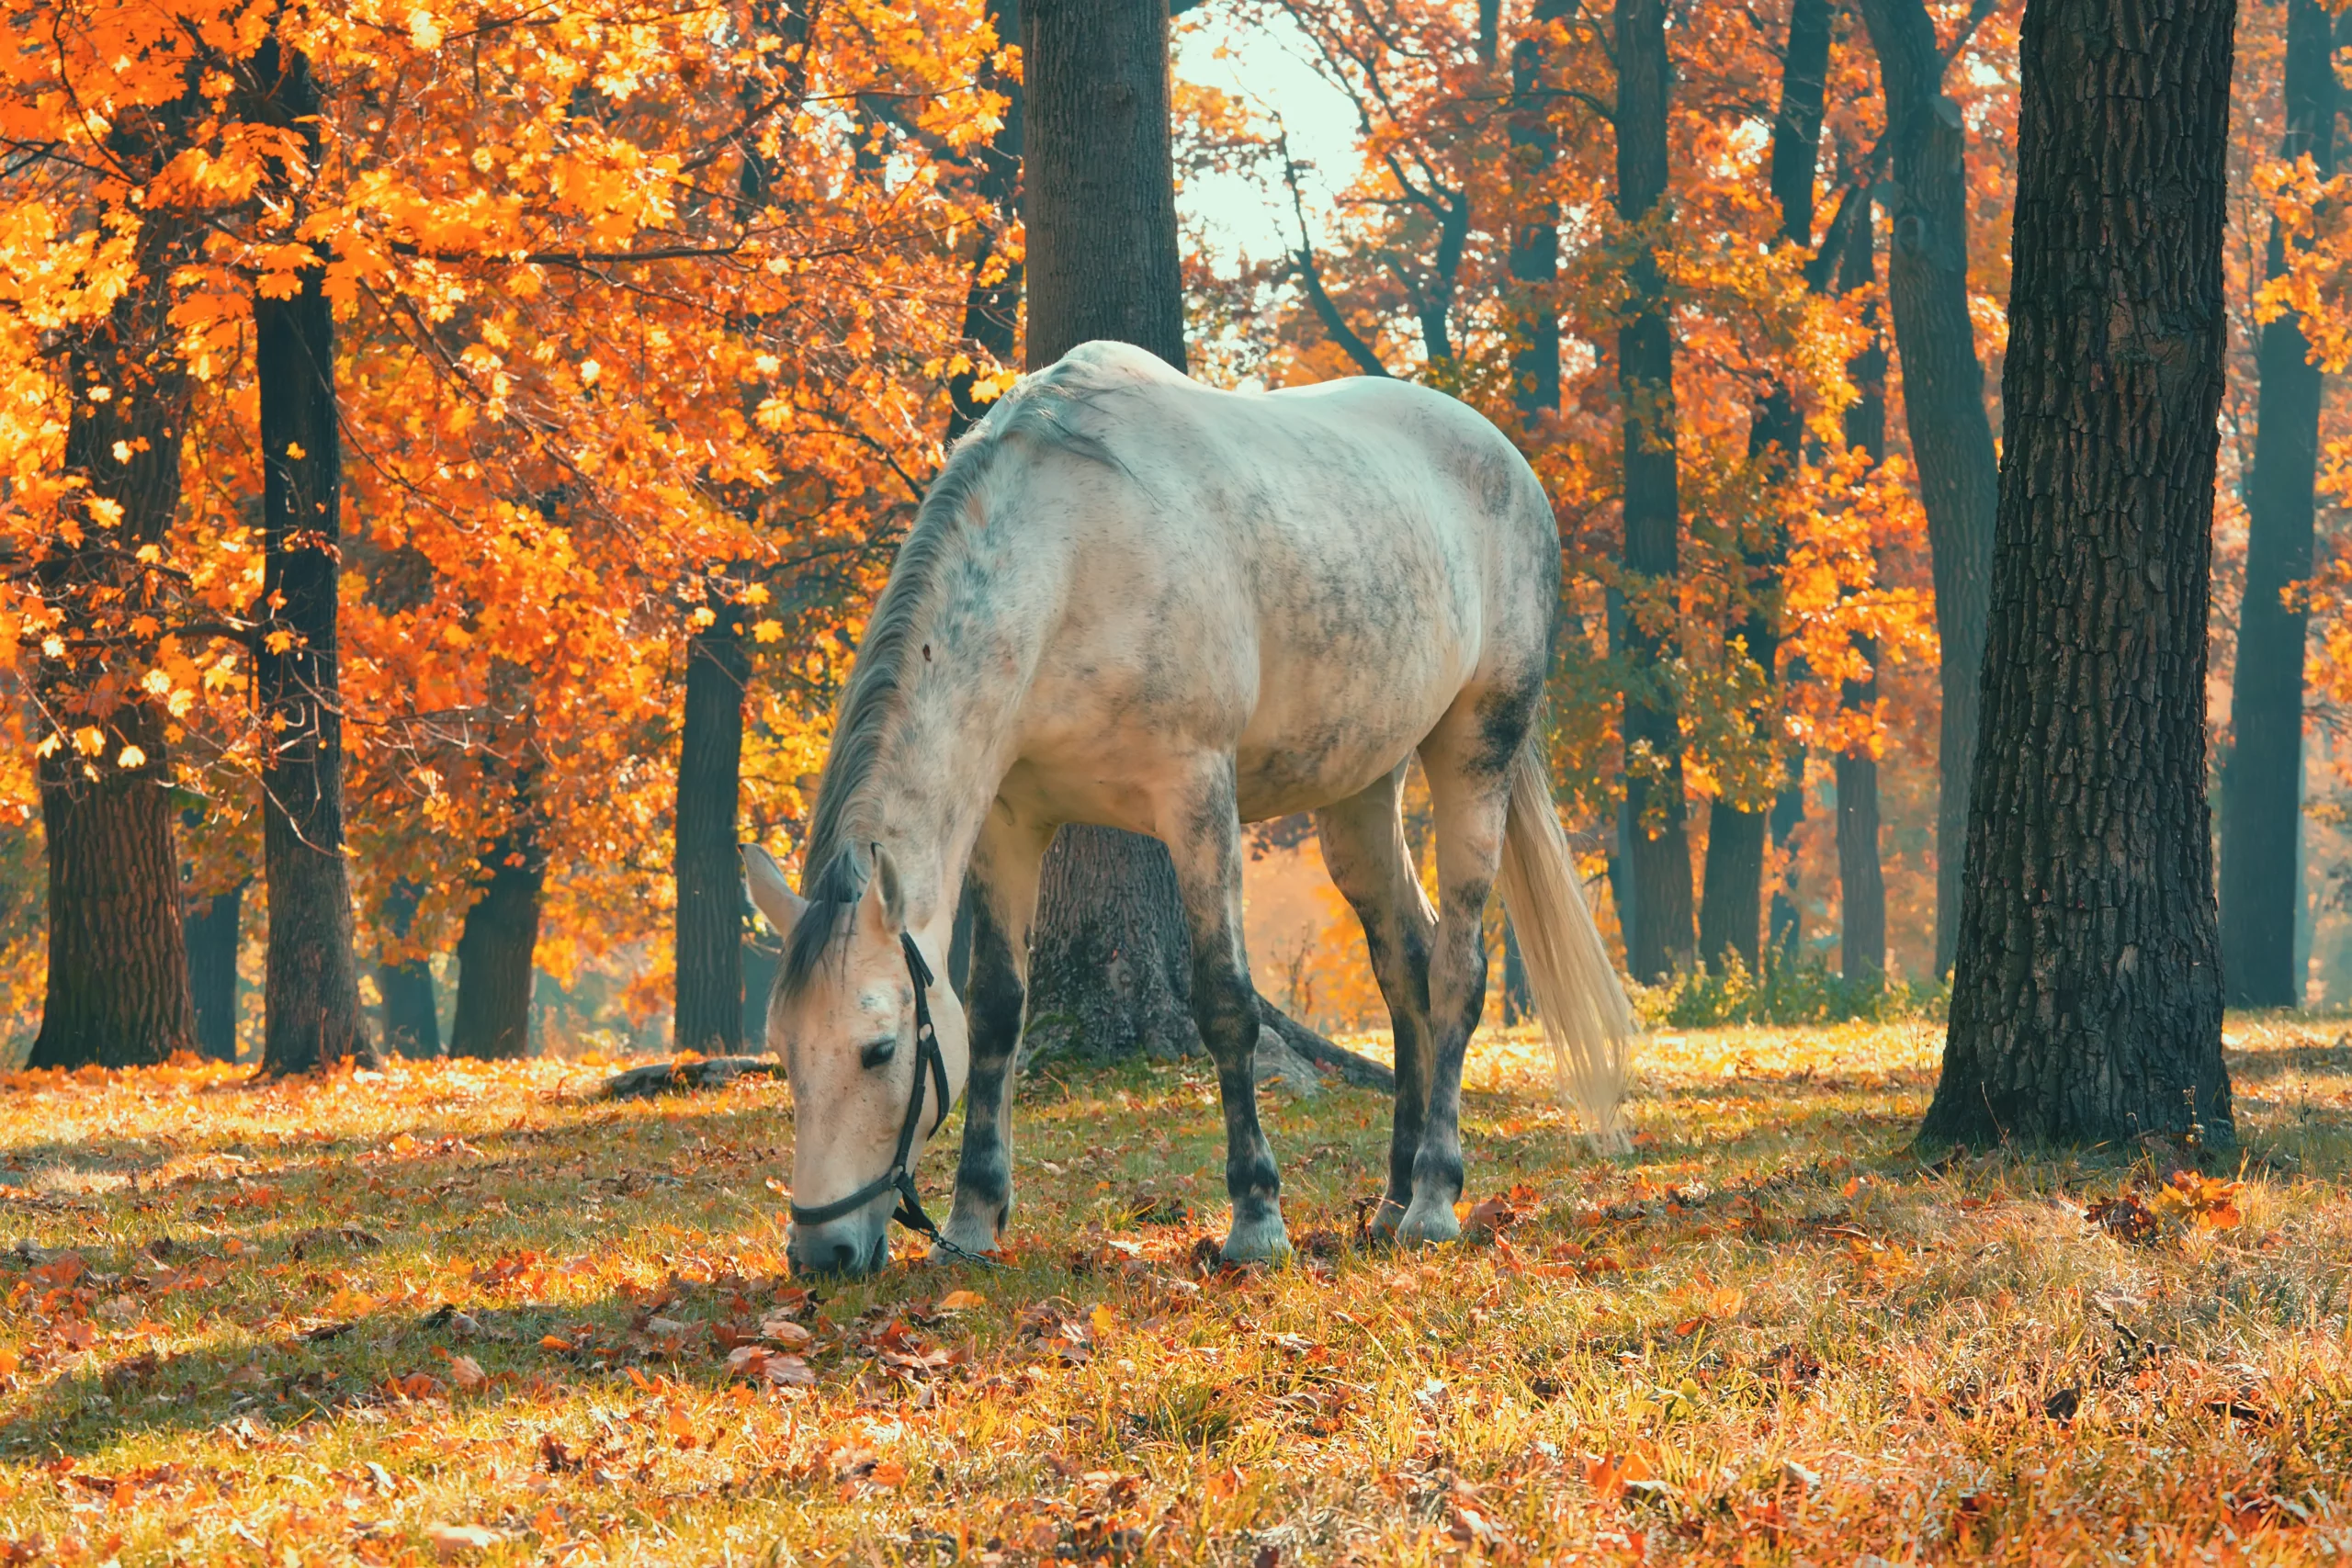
(1001, 896)
(1207, 857)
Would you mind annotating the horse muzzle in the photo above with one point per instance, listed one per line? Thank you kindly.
(848, 1246)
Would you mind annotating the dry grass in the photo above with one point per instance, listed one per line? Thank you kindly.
(470, 1313)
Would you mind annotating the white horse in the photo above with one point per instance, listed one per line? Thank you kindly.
(1134, 601)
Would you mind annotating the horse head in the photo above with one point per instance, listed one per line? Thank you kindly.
(867, 1089)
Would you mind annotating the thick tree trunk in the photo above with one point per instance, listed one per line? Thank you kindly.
(117, 992)
(311, 991)
(412, 1013)
(2262, 781)
(1109, 960)
(212, 927)
(1943, 399)
(501, 932)
(2087, 997)
(1732, 884)
(1861, 878)
(992, 299)
(709, 997)
(1657, 845)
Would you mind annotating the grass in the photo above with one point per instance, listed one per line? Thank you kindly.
(468, 1313)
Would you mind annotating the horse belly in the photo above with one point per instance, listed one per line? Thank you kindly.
(1321, 734)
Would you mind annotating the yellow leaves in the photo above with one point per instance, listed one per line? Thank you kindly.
(424, 28)
(278, 641)
(766, 630)
(132, 757)
(90, 740)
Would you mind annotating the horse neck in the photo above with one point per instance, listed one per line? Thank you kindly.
(949, 744)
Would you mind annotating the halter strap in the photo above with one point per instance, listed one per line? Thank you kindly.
(902, 1174)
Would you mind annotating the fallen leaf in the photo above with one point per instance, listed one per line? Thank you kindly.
(954, 1301)
(452, 1541)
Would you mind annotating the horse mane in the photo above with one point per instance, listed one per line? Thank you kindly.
(1037, 411)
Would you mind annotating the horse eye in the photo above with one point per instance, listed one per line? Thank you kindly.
(876, 1052)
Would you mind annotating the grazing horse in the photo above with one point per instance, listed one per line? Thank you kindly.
(1134, 601)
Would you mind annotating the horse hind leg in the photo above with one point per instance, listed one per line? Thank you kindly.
(1362, 839)
(1468, 766)
(1207, 857)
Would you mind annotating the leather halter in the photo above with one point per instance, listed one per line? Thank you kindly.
(902, 1175)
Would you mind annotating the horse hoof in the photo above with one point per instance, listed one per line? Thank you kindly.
(1427, 1223)
(1381, 1229)
(1266, 1242)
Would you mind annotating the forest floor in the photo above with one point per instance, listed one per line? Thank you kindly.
(471, 1313)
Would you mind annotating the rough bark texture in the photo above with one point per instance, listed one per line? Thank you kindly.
(1732, 893)
(1944, 398)
(992, 306)
(117, 987)
(311, 991)
(708, 866)
(212, 926)
(2087, 997)
(2262, 782)
(1861, 876)
(412, 1014)
(1658, 941)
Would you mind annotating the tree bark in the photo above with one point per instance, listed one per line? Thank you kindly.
(1535, 256)
(1110, 963)
(1861, 878)
(311, 991)
(1732, 894)
(412, 1014)
(993, 304)
(212, 927)
(1658, 941)
(2087, 996)
(117, 992)
(2262, 780)
(1943, 399)
(709, 996)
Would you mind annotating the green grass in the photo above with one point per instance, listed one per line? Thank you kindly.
(355, 1320)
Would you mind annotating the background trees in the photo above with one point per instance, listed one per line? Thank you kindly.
(643, 330)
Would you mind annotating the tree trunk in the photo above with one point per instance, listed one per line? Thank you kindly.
(1861, 879)
(2262, 780)
(212, 927)
(709, 1016)
(1110, 963)
(412, 1014)
(1733, 885)
(2087, 996)
(1657, 845)
(117, 992)
(1536, 239)
(992, 303)
(1943, 399)
(501, 932)
(311, 992)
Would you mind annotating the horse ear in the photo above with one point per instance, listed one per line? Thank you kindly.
(772, 895)
(882, 909)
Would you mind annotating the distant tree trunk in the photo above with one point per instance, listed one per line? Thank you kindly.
(2087, 997)
(709, 1016)
(1536, 239)
(311, 992)
(1943, 399)
(1732, 890)
(992, 299)
(2262, 780)
(1518, 1002)
(412, 1014)
(1861, 880)
(501, 929)
(116, 993)
(212, 927)
(1657, 844)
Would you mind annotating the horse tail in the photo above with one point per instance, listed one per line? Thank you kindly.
(1587, 1018)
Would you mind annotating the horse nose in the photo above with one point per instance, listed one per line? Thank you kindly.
(837, 1254)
